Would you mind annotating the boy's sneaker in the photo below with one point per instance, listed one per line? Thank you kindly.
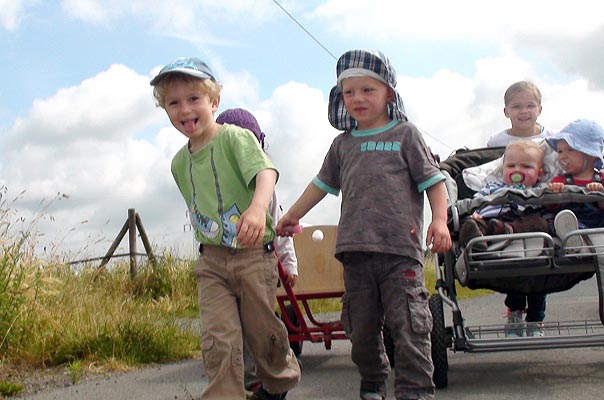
(566, 221)
(514, 326)
(373, 391)
(470, 230)
(498, 227)
(262, 394)
(535, 329)
(371, 396)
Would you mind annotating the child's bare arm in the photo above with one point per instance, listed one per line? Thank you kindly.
(250, 227)
(307, 200)
(438, 232)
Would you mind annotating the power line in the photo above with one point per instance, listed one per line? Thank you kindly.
(335, 58)
(435, 138)
(305, 30)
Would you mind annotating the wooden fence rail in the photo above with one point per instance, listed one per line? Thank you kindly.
(132, 223)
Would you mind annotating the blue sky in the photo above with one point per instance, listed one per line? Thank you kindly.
(77, 117)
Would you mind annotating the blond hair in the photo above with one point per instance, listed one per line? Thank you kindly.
(526, 147)
(520, 87)
(208, 86)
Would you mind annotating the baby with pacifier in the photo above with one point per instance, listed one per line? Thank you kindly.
(522, 168)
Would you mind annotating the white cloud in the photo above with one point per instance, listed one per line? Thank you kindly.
(84, 142)
(445, 20)
(579, 55)
(193, 21)
(90, 10)
(298, 136)
(570, 38)
(11, 12)
(101, 109)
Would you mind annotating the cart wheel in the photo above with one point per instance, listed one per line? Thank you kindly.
(389, 345)
(439, 345)
(295, 346)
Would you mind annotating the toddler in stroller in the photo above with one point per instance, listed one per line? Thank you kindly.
(579, 146)
(522, 167)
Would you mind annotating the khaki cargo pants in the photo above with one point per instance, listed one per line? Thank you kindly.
(237, 289)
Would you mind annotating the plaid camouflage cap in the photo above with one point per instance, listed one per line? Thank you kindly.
(379, 67)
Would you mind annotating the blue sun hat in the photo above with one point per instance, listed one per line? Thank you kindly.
(185, 65)
(370, 63)
(583, 135)
(244, 119)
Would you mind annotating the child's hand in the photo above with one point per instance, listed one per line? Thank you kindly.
(291, 279)
(476, 216)
(288, 221)
(250, 227)
(594, 186)
(438, 235)
(556, 186)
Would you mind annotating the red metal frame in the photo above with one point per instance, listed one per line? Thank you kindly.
(316, 331)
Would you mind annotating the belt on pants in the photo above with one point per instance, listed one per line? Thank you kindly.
(268, 247)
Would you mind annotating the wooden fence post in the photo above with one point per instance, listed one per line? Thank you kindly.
(132, 241)
(133, 222)
(145, 239)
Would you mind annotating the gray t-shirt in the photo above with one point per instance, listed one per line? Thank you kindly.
(382, 174)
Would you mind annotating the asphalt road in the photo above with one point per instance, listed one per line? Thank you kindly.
(330, 374)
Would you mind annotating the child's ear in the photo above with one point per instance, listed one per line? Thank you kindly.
(391, 95)
(505, 112)
(216, 103)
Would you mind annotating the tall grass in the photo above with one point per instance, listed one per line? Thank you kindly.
(61, 316)
(52, 314)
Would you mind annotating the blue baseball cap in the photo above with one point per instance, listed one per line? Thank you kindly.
(185, 65)
(583, 135)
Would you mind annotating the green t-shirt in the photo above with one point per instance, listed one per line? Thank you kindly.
(218, 182)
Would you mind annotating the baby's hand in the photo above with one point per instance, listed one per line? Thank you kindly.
(476, 216)
(556, 186)
(594, 186)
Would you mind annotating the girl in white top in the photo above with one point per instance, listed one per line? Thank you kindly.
(522, 102)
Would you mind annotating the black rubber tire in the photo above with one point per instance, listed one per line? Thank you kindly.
(295, 346)
(388, 345)
(449, 273)
(439, 344)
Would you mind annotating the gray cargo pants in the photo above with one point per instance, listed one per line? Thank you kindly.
(386, 286)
